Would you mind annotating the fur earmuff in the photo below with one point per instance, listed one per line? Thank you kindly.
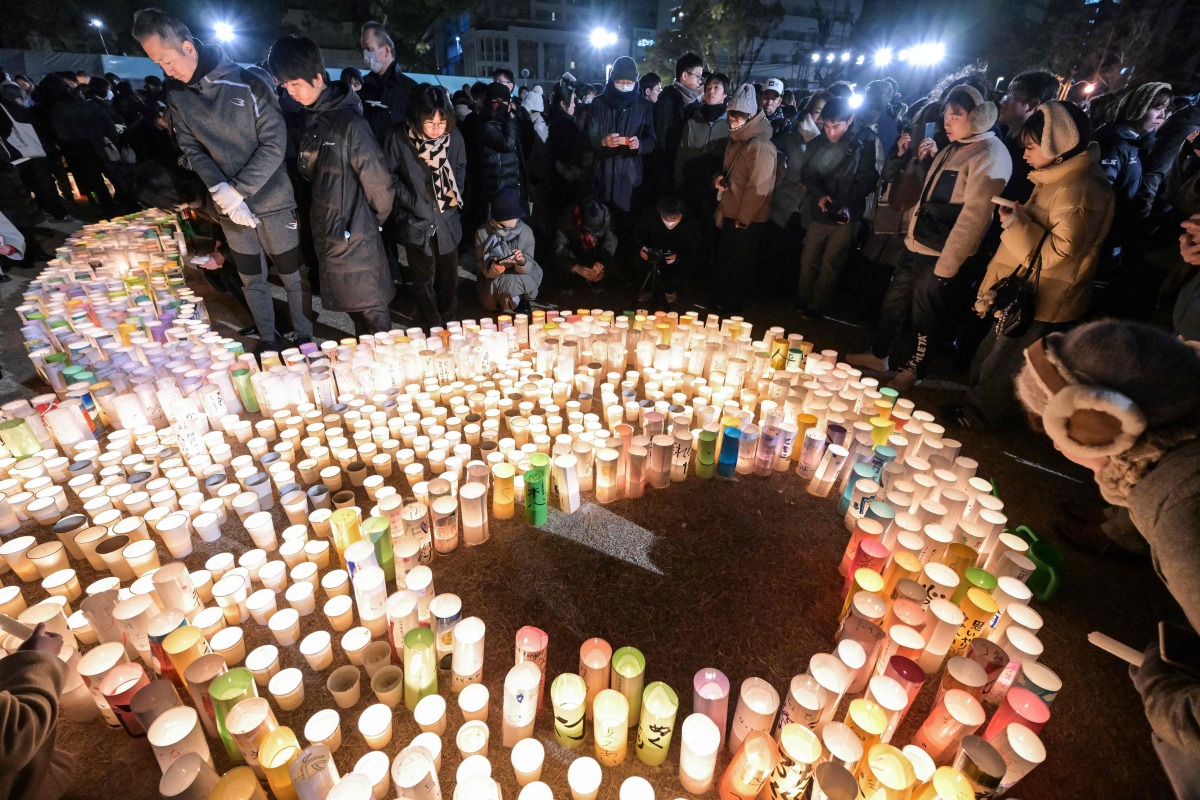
(1092, 422)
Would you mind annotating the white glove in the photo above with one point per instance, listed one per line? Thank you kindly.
(242, 215)
(226, 197)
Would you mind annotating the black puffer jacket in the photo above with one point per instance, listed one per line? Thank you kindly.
(351, 197)
(500, 156)
(418, 214)
(617, 171)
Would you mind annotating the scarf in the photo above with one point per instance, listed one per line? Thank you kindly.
(711, 114)
(615, 98)
(208, 58)
(435, 153)
(688, 95)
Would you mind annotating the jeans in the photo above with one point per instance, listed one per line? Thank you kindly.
(826, 247)
(434, 284)
(915, 294)
(997, 362)
(253, 271)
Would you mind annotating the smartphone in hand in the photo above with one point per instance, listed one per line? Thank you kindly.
(930, 129)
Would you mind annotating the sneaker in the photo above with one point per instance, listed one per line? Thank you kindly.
(297, 339)
(275, 345)
(868, 360)
(249, 330)
(4, 278)
(906, 379)
(524, 305)
(963, 416)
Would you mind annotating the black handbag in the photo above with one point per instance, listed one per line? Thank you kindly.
(1016, 296)
(936, 215)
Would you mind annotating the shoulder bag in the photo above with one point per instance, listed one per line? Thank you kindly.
(1016, 296)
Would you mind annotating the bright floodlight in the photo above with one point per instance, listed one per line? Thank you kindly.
(603, 38)
(846, 56)
(95, 23)
(859, 61)
(829, 57)
(223, 31)
(856, 100)
(903, 55)
(1088, 88)
(883, 56)
(816, 57)
(927, 54)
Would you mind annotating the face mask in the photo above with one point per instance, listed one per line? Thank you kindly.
(735, 124)
(626, 89)
(672, 225)
(109, 96)
(371, 59)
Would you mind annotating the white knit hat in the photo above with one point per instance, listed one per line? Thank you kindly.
(534, 100)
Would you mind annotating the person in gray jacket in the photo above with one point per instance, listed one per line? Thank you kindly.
(1123, 399)
(508, 276)
(351, 187)
(228, 125)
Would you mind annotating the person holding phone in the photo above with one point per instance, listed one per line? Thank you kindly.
(31, 679)
(1123, 399)
(945, 229)
(1060, 231)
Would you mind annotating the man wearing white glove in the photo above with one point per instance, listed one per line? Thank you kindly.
(228, 124)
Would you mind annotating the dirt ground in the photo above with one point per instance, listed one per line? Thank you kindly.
(738, 574)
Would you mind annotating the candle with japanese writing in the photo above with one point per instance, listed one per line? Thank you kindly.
(757, 703)
(568, 697)
(867, 720)
(812, 449)
(503, 502)
(978, 607)
(753, 763)
(611, 714)
(420, 666)
(804, 703)
(657, 723)
(535, 492)
(445, 524)
(595, 657)
(249, 722)
(346, 526)
(799, 750)
(417, 527)
(706, 453)
(226, 691)
(532, 644)
(628, 677)
(466, 660)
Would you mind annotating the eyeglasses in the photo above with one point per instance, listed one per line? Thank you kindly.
(696, 75)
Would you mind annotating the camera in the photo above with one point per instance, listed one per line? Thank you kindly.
(655, 254)
(837, 216)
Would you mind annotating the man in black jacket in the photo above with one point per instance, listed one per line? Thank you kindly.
(351, 186)
(499, 142)
(385, 89)
(839, 173)
(669, 114)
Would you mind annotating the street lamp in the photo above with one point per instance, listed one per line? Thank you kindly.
(883, 56)
(98, 24)
(224, 32)
(845, 57)
(816, 57)
(829, 58)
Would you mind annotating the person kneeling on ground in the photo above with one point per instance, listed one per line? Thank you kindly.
(585, 244)
(1123, 399)
(667, 239)
(351, 187)
(31, 680)
(509, 276)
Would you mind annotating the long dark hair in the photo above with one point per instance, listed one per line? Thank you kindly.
(424, 102)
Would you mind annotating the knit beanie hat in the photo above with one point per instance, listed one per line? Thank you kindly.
(1137, 103)
(1112, 389)
(624, 69)
(506, 204)
(984, 113)
(534, 100)
(744, 100)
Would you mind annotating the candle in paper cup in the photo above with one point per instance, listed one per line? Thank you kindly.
(249, 722)
(467, 653)
(885, 772)
(750, 767)
(388, 685)
(800, 750)
(276, 753)
(229, 644)
(344, 684)
(285, 626)
(957, 715)
(354, 644)
(313, 772)
(430, 714)
(473, 702)
(153, 700)
(520, 701)
(611, 713)
(472, 739)
(263, 662)
(287, 687)
(595, 656)
(118, 687)
(375, 725)
(584, 777)
(842, 744)
(324, 728)
(1022, 751)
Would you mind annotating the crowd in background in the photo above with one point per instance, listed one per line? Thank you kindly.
(689, 186)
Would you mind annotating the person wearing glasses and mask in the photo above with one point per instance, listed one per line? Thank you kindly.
(385, 88)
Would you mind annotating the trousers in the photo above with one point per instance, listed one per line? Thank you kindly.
(371, 320)
(434, 284)
(997, 362)
(915, 294)
(826, 247)
(252, 268)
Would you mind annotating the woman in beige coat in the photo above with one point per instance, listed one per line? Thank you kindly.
(1065, 222)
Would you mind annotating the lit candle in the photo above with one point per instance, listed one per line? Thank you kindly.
(344, 683)
(885, 773)
(584, 777)
(611, 713)
(656, 723)
(800, 749)
(249, 722)
(275, 754)
(430, 714)
(375, 725)
(420, 666)
(472, 739)
(750, 767)
(757, 703)
(527, 757)
(520, 701)
(287, 687)
(957, 715)
(595, 656)
(467, 653)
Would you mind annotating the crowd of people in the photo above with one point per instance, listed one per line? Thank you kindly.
(1000, 221)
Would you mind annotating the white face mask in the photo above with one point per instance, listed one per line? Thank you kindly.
(672, 225)
(621, 88)
(372, 60)
(109, 95)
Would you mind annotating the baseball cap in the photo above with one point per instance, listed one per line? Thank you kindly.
(773, 85)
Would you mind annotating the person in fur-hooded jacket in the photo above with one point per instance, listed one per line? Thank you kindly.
(1123, 399)
(945, 228)
(1064, 224)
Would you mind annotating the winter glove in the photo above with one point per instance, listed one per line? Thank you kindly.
(241, 215)
(226, 197)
